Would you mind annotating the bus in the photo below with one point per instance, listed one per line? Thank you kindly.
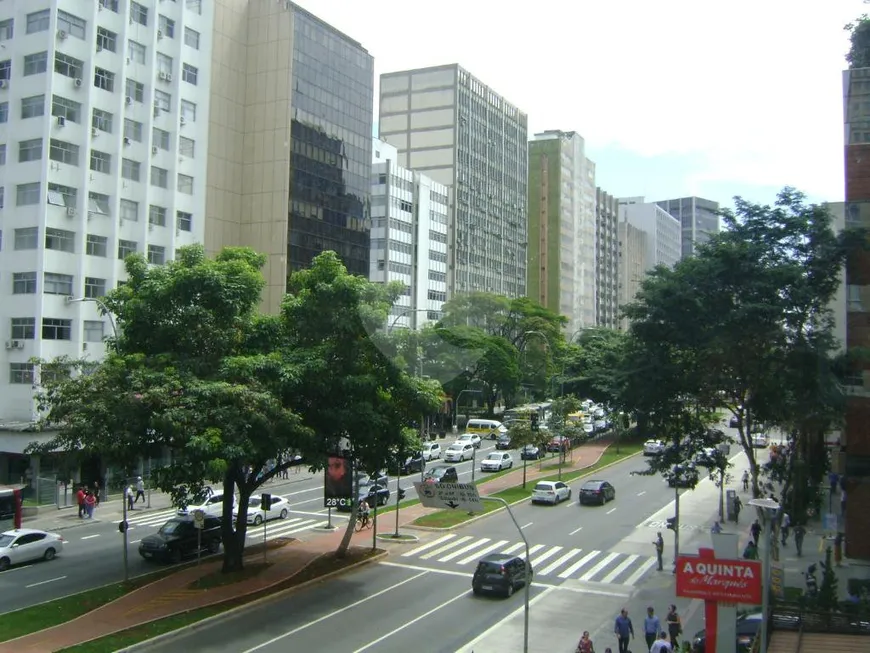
(521, 413)
(10, 508)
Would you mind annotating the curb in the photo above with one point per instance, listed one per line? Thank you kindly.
(404, 539)
(256, 603)
(436, 529)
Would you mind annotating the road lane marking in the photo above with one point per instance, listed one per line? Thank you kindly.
(601, 565)
(135, 541)
(89, 537)
(9, 571)
(526, 526)
(44, 582)
(576, 530)
(446, 547)
(558, 563)
(534, 549)
(334, 613)
(428, 545)
(645, 567)
(498, 625)
(625, 564)
(580, 563)
(482, 552)
(640, 494)
(412, 622)
(611, 510)
(464, 549)
(546, 555)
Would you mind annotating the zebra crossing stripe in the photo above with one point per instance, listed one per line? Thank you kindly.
(514, 548)
(625, 564)
(446, 547)
(645, 567)
(257, 531)
(296, 528)
(545, 556)
(482, 552)
(549, 569)
(580, 563)
(428, 545)
(601, 565)
(533, 550)
(464, 549)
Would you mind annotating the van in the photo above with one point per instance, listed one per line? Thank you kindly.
(490, 428)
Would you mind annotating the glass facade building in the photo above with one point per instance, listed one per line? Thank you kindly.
(699, 219)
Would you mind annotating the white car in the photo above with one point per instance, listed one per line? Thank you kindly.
(760, 440)
(653, 448)
(551, 492)
(496, 461)
(457, 452)
(27, 544)
(469, 438)
(210, 501)
(598, 412)
(431, 451)
(278, 510)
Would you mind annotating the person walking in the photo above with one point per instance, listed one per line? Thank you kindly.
(746, 480)
(755, 531)
(751, 551)
(90, 503)
(140, 490)
(623, 630)
(128, 494)
(585, 644)
(661, 645)
(799, 532)
(785, 527)
(652, 626)
(738, 504)
(97, 493)
(659, 544)
(80, 498)
(675, 625)
(838, 549)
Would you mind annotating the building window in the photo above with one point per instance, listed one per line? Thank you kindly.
(129, 210)
(68, 66)
(60, 240)
(159, 177)
(191, 38)
(54, 329)
(135, 52)
(156, 254)
(101, 162)
(94, 287)
(166, 26)
(38, 21)
(4, 112)
(126, 247)
(160, 138)
(34, 64)
(104, 79)
(33, 106)
(189, 73)
(30, 150)
(185, 184)
(135, 90)
(93, 331)
(72, 25)
(111, 5)
(183, 221)
(27, 194)
(188, 111)
(6, 29)
(102, 120)
(194, 5)
(437, 276)
(133, 130)
(21, 373)
(60, 195)
(66, 109)
(6, 68)
(24, 283)
(57, 284)
(130, 169)
(97, 246)
(2, 154)
(157, 215)
(63, 152)
(106, 40)
(23, 328)
(138, 13)
(164, 63)
(186, 146)
(162, 100)
(98, 203)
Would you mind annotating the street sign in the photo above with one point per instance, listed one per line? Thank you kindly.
(463, 496)
(199, 518)
(830, 521)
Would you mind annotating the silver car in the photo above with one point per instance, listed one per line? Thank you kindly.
(26, 545)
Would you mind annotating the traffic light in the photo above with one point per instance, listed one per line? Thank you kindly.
(265, 501)
(534, 420)
(672, 523)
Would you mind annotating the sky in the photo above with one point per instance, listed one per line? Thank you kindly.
(674, 98)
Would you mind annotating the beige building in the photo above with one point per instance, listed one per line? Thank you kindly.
(633, 263)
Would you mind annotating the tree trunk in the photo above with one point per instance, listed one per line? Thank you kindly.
(233, 538)
(344, 545)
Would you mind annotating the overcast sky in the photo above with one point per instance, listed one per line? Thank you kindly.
(674, 97)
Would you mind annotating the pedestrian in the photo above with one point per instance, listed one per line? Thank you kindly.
(80, 498)
(659, 544)
(799, 532)
(97, 493)
(90, 503)
(128, 494)
(784, 528)
(140, 490)
(661, 645)
(838, 549)
(623, 630)
(716, 528)
(755, 531)
(652, 626)
(738, 504)
(746, 480)
(843, 502)
(585, 644)
(675, 625)
(751, 551)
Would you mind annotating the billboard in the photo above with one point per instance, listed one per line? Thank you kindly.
(338, 483)
(714, 579)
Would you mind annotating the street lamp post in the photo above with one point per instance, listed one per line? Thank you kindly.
(103, 308)
(456, 405)
(769, 508)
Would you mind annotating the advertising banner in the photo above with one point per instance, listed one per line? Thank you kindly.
(713, 579)
(338, 483)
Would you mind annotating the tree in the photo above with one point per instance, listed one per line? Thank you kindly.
(859, 37)
(601, 352)
(828, 597)
(521, 434)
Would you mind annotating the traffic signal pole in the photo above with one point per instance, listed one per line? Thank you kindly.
(676, 524)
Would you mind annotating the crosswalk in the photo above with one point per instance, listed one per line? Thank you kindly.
(548, 561)
(150, 522)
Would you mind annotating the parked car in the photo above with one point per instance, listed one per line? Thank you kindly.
(278, 509)
(469, 438)
(747, 627)
(596, 491)
(653, 447)
(485, 428)
(500, 573)
(211, 502)
(457, 452)
(683, 476)
(551, 492)
(414, 463)
(375, 489)
(503, 441)
(495, 462)
(441, 474)
(178, 538)
(558, 443)
(760, 440)
(431, 451)
(707, 457)
(28, 544)
(530, 452)
(734, 422)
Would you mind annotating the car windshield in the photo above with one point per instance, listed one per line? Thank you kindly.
(494, 456)
(545, 487)
(455, 447)
(254, 502)
(170, 527)
(591, 485)
(489, 567)
(6, 540)
(463, 438)
(530, 447)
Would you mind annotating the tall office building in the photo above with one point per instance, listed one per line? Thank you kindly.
(451, 126)
(606, 260)
(699, 220)
(562, 229)
(661, 228)
(633, 264)
(408, 238)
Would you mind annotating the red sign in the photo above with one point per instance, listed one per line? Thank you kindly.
(712, 579)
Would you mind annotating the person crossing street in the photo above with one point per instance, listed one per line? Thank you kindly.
(652, 626)
(659, 544)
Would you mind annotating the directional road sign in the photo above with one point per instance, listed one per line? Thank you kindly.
(463, 496)
(199, 518)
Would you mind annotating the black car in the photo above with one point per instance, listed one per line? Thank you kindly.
(747, 627)
(500, 573)
(441, 474)
(734, 422)
(374, 490)
(503, 441)
(599, 492)
(530, 452)
(177, 539)
(413, 464)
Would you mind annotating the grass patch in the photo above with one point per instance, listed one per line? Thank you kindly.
(322, 565)
(218, 579)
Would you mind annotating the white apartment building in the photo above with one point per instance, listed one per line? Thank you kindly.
(663, 231)
(408, 237)
(104, 118)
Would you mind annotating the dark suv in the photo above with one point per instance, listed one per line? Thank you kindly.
(177, 539)
(499, 573)
(503, 441)
(441, 474)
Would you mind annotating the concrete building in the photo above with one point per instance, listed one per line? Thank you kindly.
(450, 126)
(663, 232)
(606, 260)
(698, 220)
(408, 238)
(633, 263)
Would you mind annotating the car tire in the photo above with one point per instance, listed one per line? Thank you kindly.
(4, 564)
(604, 500)
(175, 556)
(49, 554)
(214, 546)
(284, 513)
(510, 590)
(258, 520)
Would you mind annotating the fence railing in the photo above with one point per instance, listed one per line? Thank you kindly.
(851, 620)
